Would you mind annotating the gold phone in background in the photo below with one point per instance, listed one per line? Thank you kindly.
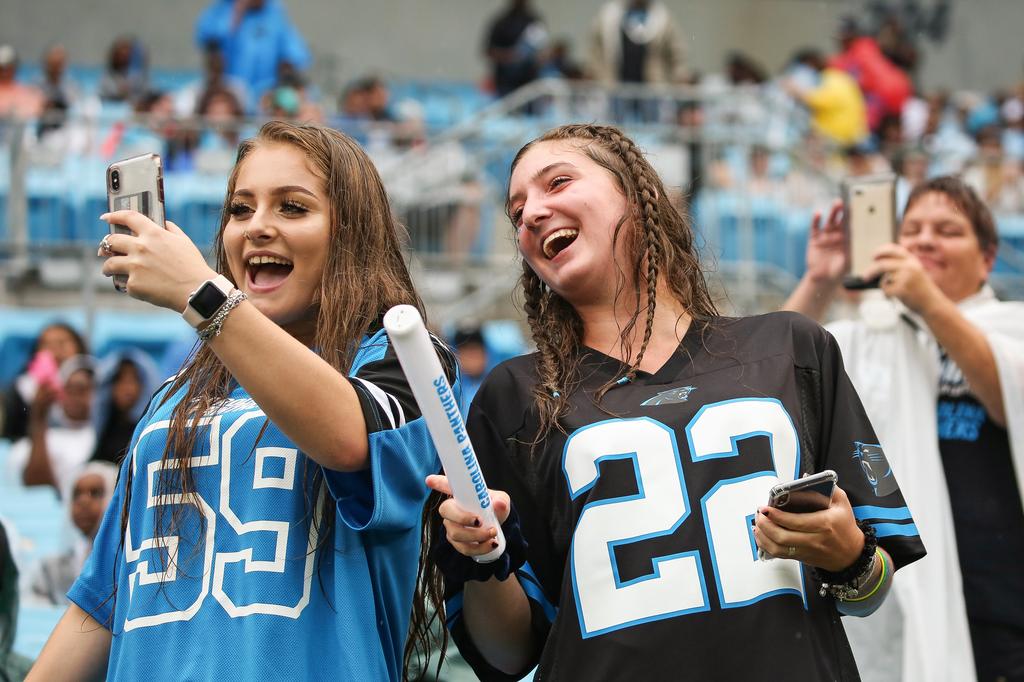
(137, 184)
(870, 216)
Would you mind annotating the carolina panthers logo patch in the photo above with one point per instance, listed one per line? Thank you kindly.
(672, 395)
(875, 468)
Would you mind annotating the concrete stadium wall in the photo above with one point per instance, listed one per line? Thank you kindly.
(442, 38)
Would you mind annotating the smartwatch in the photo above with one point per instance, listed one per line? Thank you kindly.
(204, 302)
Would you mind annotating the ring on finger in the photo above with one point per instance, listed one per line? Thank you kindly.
(105, 246)
(791, 552)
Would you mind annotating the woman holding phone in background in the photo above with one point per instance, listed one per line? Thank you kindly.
(271, 493)
(939, 362)
(637, 447)
(60, 341)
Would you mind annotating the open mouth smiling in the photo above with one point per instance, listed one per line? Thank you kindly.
(558, 241)
(267, 271)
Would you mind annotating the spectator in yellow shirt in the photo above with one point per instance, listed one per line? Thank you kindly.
(836, 103)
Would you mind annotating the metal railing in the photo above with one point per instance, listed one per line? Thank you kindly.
(720, 151)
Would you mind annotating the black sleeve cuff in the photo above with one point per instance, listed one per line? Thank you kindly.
(458, 568)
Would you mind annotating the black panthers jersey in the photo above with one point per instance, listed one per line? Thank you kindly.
(642, 562)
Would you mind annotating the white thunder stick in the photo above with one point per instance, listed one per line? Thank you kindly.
(441, 411)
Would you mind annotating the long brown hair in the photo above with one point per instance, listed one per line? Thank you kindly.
(660, 243)
(364, 275)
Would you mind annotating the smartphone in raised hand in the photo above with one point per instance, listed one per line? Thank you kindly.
(44, 369)
(870, 215)
(135, 184)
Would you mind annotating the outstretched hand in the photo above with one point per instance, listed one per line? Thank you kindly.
(163, 265)
(465, 530)
(828, 539)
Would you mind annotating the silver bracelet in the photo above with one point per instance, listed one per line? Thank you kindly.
(217, 321)
(852, 589)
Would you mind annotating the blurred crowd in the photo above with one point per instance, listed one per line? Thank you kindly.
(864, 111)
(67, 420)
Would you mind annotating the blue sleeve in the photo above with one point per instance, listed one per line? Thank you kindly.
(214, 24)
(390, 493)
(542, 615)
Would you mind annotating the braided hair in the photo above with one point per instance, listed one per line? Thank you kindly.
(660, 243)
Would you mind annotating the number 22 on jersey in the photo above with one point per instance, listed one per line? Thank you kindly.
(676, 586)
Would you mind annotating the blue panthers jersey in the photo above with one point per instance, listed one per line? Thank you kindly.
(251, 586)
(641, 562)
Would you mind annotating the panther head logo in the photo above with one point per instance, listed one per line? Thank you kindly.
(673, 395)
(875, 467)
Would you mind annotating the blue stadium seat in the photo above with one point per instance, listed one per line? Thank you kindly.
(504, 340)
(153, 333)
(1011, 234)
(722, 219)
(38, 516)
(35, 623)
(88, 226)
(485, 235)
(798, 228)
(49, 205)
(87, 191)
(194, 203)
(170, 80)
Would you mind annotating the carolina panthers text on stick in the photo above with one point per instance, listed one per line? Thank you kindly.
(451, 410)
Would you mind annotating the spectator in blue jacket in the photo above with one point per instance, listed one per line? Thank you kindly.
(256, 37)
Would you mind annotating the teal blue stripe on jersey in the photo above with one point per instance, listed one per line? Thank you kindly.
(531, 585)
(371, 349)
(890, 513)
(886, 530)
(453, 605)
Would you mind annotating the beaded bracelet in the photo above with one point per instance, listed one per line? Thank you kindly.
(458, 568)
(881, 579)
(846, 584)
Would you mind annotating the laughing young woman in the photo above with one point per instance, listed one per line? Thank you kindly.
(638, 446)
(271, 497)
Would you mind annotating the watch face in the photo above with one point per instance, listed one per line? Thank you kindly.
(207, 300)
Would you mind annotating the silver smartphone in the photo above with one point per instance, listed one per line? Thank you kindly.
(870, 216)
(136, 184)
(807, 494)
